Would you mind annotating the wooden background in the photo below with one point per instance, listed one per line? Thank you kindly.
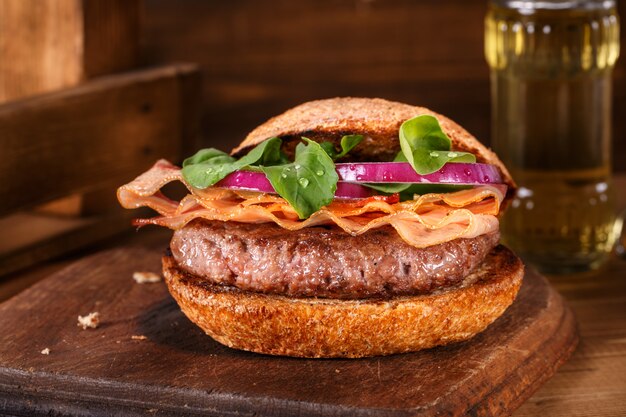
(261, 57)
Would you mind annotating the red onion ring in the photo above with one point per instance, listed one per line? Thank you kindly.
(257, 181)
(403, 172)
(351, 174)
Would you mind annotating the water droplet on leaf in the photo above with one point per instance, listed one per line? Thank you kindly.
(298, 166)
(434, 154)
(319, 172)
(303, 182)
(452, 154)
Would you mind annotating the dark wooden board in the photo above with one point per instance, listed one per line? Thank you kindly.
(180, 371)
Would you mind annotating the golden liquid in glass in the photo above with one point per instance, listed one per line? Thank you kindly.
(551, 110)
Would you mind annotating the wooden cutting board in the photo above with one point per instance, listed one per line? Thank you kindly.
(177, 370)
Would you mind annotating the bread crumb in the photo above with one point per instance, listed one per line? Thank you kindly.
(91, 320)
(146, 277)
(46, 351)
(139, 337)
(337, 371)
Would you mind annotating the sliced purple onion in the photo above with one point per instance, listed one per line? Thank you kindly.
(351, 174)
(247, 180)
(351, 190)
(403, 172)
(257, 181)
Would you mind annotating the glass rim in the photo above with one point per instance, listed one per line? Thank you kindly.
(529, 6)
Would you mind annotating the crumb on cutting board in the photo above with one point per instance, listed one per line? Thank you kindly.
(46, 351)
(143, 277)
(91, 320)
(139, 337)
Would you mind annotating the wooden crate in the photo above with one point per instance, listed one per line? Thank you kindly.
(77, 119)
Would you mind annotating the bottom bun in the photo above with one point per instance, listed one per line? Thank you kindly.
(325, 328)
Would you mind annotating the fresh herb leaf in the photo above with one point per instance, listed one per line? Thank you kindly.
(308, 183)
(422, 189)
(210, 155)
(389, 188)
(329, 148)
(400, 157)
(422, 132)
(426, 146)
(427, 162)
(265, 153)
(348, 142)
(209, 166)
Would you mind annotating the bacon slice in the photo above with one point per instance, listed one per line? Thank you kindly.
(427, 220)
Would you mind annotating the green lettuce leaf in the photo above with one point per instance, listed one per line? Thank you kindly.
(308, 183)
(426, 146)
(348, 142)
(209, 166)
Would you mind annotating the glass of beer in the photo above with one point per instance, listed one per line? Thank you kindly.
(551, 81)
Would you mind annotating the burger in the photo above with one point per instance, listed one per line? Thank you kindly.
(346, 227)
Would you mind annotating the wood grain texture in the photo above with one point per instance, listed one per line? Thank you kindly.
(46, 45)
(593, 382)
(261, 57)
(111, 36)
(40, 46)
(95, 135)
(178, 370)
(30, 237)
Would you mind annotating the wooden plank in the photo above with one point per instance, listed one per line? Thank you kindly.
(94, 135)
(37, 53)
(111, 36)
(178, 370)
(33, 237)
(46, 45)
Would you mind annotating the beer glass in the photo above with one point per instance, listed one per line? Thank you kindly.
(551, 78)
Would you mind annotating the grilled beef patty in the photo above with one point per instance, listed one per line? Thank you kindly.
(323, 261)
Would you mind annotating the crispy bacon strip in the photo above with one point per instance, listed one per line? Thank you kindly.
(427, 220)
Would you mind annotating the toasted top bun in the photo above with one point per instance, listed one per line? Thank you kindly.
(376, 119)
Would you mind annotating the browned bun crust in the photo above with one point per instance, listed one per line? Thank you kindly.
(314, 328)
(377, 119)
